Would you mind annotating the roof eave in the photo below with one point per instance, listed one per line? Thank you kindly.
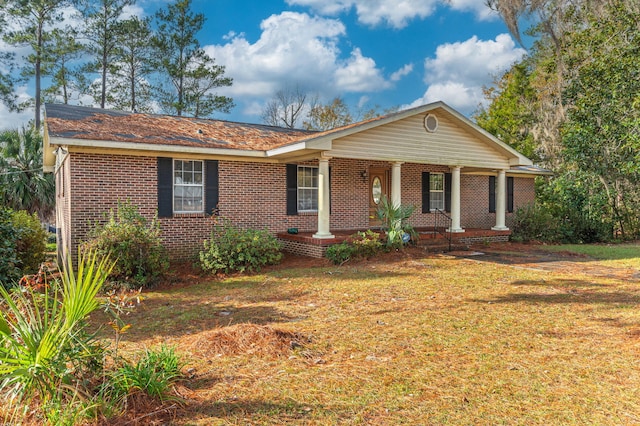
(297, 148)
(131, 146)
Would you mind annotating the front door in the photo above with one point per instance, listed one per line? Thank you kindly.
(379, 179)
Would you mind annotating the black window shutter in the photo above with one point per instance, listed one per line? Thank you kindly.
(447, 192)
(426, 192)
(165, 187)
(292, 189)
(492, 194)
(510, 194)
(211, 192)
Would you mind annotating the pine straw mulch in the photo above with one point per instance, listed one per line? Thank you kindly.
(247, 339)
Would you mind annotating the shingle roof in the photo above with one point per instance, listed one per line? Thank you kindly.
(74, 122)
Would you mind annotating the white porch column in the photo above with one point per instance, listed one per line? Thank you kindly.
(323, 200)
(501, 201)
(455, 200)
(396, 183)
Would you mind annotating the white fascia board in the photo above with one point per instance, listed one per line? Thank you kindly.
(318, 145)
(90, 143)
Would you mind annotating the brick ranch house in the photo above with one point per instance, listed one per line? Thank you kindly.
(320, 183)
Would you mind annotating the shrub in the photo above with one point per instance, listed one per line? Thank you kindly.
(367, 244)
(577, 227)
(134, 243)
(362, 244)
(340, 253)
(31, 241)
(534, 223)
(9, 271)
(234, 249)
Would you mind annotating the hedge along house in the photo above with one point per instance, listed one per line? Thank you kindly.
(189, 170)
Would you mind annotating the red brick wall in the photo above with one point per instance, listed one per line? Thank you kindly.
(252, 195)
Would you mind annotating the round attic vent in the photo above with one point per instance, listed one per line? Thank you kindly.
(431, 123)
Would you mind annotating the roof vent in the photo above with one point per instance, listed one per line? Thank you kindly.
(199, 131)
(431, 123)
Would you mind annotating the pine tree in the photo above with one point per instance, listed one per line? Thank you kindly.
(192, 74)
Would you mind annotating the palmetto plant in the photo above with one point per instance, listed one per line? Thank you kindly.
(394, 222)
(23, 184)
(44, 347)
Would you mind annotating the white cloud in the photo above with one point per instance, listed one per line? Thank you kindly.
(395, 13)
(455, 94)
(478, 7)
(294, 49)
(359, 74)
(402, 72)
(459, 70)
(131, 11)
(12, 119)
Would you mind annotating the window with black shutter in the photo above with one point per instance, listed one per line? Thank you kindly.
(187, 186)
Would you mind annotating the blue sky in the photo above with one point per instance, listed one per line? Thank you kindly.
(382, 53)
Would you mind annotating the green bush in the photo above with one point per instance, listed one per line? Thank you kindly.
(234, 249)
(367, 244)
(31, 241)
(134, 243)
(362, 244)
(534, 223)
(578, 228)
(340, 253)
(9, 270)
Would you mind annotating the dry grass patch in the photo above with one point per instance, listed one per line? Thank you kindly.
(407, 339)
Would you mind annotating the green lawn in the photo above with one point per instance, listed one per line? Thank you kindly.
(420, 340)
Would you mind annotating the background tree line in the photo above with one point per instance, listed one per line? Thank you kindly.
(573, 105)
(130, 64)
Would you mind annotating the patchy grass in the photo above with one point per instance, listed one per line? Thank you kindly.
(408, 339)
(626, 255)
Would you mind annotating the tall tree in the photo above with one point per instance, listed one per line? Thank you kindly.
(510, 114)
(132, 66)
(288, 107)
(7, 95)
(101, 18)
(601, 135)
(23, 184)
(192, 74)
(64, 50)
(34, 18)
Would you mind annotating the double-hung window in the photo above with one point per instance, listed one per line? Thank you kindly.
(436, 191)
(307, 189)
(188, 186)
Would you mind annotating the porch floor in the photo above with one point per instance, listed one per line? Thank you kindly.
(305, 244)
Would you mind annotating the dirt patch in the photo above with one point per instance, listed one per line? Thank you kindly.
(530, 256)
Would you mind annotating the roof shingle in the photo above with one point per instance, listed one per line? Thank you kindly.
(73, 122)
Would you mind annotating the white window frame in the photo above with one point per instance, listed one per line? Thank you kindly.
(433, 191)
(313, 189)
(187, 185)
